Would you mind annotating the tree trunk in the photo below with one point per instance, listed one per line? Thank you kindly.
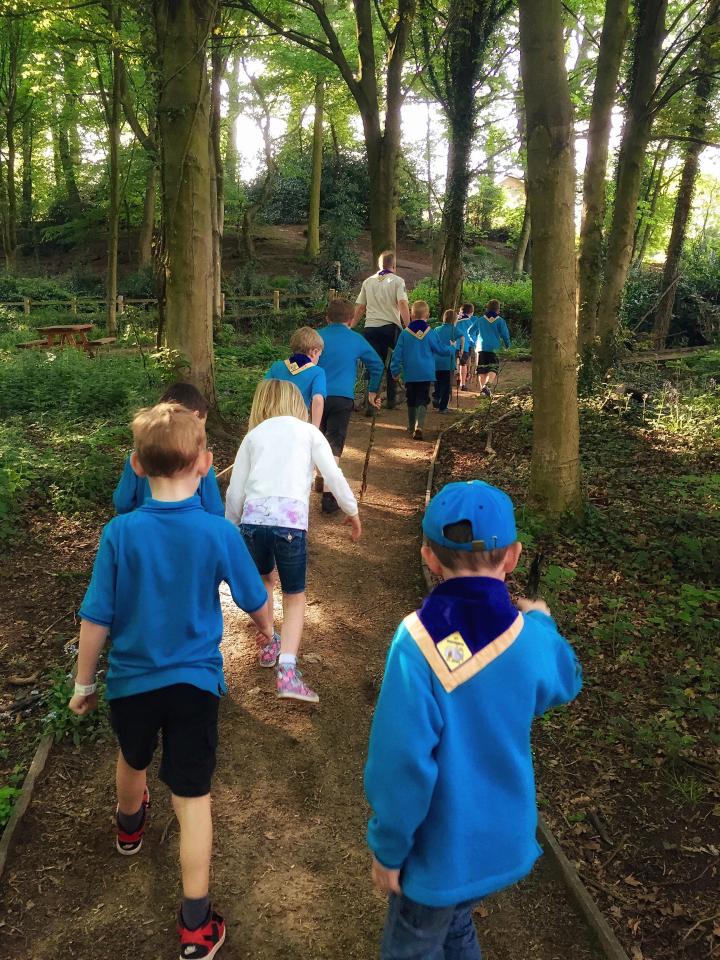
(217, 194)
(523, 240)
(26, 215)
(456, 190)
(612, 44)
(68, 139)
(555, 471)
(11, 156)
(649, 36)
(646, 223)
(183, 29)
(705, 85)
(383, 153)
(68, 170)
(114, 107)
(4, 218)
(233, 107)
(147, 226)
(312, 247)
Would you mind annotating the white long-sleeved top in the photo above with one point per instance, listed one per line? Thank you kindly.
(276, 459)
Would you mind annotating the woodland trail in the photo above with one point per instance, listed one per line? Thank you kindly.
(290, 867)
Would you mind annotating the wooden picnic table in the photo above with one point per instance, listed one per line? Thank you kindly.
(68, 335)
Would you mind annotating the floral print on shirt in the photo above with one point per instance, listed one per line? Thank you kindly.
(276, 512)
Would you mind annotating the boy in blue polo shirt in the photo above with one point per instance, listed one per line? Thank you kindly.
(445, 363)
(492, 332)
(449, 773)
(301, 368)
(343, 350)
(415, 354)
(133, 490)
(467, 326)
(154, 589)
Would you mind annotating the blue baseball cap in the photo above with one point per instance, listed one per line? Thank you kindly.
(487, 509)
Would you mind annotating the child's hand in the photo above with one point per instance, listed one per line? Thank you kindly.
(355, 527)
(374, 400)
(525, 605)
(386, 880)
(83, 703)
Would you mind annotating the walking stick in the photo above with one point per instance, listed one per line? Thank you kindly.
(223, 472)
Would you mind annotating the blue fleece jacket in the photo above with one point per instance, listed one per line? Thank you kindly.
(468, 328)
(445, 333)
(132, 491)
(300, 370)
(490, 332)
(449, 774)
(343, 349)
(155, 586)
(415, 353)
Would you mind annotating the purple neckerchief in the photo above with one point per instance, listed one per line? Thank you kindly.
(383, 273)
(491, 313)
(300, 359)
(479, 608)
(417, 326)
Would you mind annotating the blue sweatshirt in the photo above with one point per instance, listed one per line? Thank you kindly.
(490, 331)
(449, 773)
(132, 491)
(339, 359)
(445, 333)
(300, 370)
(155, 586)
(415, 353)
(467, 326)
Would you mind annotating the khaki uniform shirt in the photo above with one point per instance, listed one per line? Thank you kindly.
(381, 297)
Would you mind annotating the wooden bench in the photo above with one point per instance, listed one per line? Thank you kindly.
(31, 344)
(93, 345)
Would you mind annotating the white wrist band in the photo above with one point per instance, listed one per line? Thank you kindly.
(85, 689)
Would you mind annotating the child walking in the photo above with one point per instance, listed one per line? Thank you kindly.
(492, 332)
(154, 589)
(415, 354)
(133, 490)
(301, 368)
(467, 326)
(268, 498)
(343, 350)
(445, 363)
(449, 774)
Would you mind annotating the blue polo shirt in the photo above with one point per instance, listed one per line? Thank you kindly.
(306, 375)
(343, 349)
(132, 491)
(449, 773)
(445, 333)
(467, 327)
(416, 351)
(491, 333)
(155, 586)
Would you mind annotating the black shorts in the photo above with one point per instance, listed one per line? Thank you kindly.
(418, 393)
(187, 717)
(463, 358)
(335, 422)
(487, 361)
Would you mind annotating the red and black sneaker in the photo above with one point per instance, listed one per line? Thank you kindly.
(203, 943)
(129, 843)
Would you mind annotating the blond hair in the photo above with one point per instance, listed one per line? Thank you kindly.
(304, 340)
(276, 398)
(168, 439)
(420, 309)
(449, 316)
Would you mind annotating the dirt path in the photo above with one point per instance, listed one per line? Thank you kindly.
(290, 865)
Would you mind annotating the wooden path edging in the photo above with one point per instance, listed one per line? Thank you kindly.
(23, 801)
(589, 910)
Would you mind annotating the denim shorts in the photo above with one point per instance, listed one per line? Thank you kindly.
(280, 547)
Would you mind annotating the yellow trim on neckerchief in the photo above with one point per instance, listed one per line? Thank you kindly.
(464, 665)
(491, 319)
(421, 334)
(294, 368)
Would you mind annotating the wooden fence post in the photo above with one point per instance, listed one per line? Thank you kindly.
(331, 294)
(276, 301)
(73, 306)
(26, 306)
(222, 304)
(120, 304)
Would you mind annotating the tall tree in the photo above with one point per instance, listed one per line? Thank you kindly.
(647, 46)
(555, 471)
(612, 43)
(705, 86)
(183, 30)
(312, 247)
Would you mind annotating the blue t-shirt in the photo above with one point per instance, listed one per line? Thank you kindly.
(132, 491)
(155, 586)
(492, 332)
(445, 333)
(339, 359)
(449, 774)
(415, 353)
(308, 377)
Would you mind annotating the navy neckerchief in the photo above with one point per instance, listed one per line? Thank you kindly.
(491, 315)
(384, 273)
(299, 359)
(418, 326)
(479, 608)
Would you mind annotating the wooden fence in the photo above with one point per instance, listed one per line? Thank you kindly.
(74, 302)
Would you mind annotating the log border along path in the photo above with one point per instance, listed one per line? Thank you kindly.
(290, 866)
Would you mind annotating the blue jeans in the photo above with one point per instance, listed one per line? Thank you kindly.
(281, 547)
(416, 932)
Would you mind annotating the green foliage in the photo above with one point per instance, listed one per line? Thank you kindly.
(515, 299)
(8, 795)
(62, 723)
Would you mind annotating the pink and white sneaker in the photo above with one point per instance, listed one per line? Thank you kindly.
(290, 686)
(269, 652)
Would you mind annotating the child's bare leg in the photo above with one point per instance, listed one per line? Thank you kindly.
(130, 786)
(482, 379)
(269, 579)
(463, 374)
(492, 378)
(293, 622)
(195, 818)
